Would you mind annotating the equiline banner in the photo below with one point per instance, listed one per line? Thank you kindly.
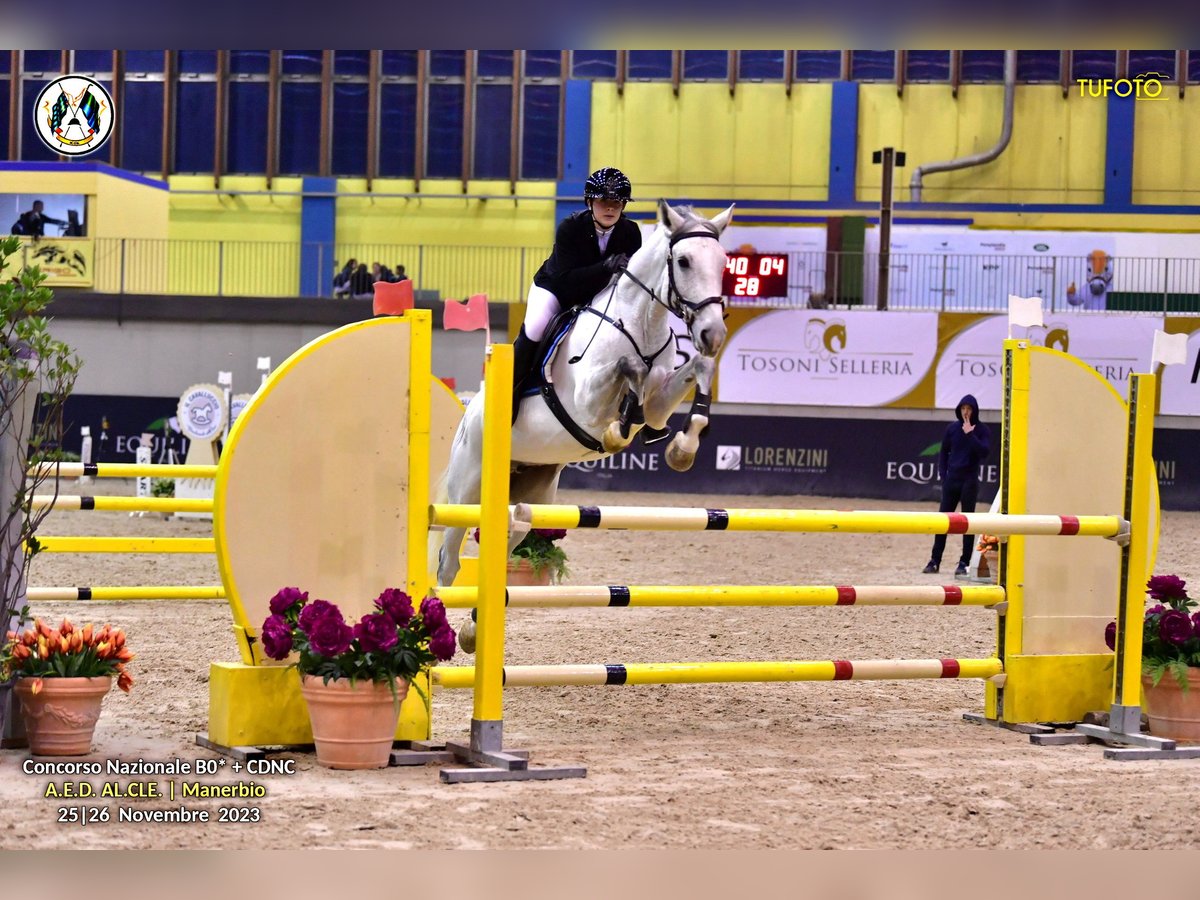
(833, 457)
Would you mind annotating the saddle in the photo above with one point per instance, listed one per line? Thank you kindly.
(539, 381)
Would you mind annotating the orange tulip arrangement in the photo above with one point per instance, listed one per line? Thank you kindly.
(988, 542)
(68, 651)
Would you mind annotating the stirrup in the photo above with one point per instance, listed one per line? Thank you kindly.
(654, 435)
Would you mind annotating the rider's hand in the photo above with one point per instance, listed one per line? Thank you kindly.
(617, 262)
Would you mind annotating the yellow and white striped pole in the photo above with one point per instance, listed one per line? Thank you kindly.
(725, 672)
(122, 504)
(120, 470)
(487, 722)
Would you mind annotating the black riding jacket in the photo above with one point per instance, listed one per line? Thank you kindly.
(575, 270)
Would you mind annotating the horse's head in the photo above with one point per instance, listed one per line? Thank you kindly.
(695, 269)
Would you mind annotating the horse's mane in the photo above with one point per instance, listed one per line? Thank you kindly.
(693, 220)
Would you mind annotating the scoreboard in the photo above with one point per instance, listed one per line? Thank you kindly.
(756, 275)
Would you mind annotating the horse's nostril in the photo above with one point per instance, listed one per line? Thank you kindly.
(704, 338)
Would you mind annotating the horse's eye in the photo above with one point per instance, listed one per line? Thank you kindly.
(684, 263)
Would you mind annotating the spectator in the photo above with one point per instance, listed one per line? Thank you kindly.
(32, 222)
(381, 273)
(341, 281)
(362, 286)
(400, 274)
(965, 445)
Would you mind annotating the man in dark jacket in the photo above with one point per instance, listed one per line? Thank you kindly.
(966, 444)
(590, 247)
(32, 222)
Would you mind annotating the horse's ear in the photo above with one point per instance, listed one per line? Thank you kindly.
(670, 219)
(723, 218)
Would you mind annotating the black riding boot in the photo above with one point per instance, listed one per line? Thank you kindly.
(524, 357)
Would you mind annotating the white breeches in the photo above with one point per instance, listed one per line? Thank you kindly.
(541, 307)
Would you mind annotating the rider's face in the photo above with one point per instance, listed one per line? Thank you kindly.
(606, 212)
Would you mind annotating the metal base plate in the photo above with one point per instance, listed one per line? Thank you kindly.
(245, 754)
(1022, 727)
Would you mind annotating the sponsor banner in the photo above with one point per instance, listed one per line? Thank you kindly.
(66, 262)
(971, 363)
(827, 357)
(871, 458)
(1181, 384)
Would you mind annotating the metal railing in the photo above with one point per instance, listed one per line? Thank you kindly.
(844, 280)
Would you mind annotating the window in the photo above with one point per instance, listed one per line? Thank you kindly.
(249, 62)
(45, 61)
(445, 131)
(4, 101)
(1094, 64)
(300, 127)
(982, 65)
(143, 60)
(872, 65)
(141, 125)
(594, 64)
(539, 131)
(818, 65)
(765, 65)
(650, 65)
(1160, 63)
(350, 104)
(351, 62)
(195, 119)
(927, 65)
(92, 61)
(399, 62)
(493, 130)
(543, 64)
(1038, 65)
(494, 64)
(246, 139)
(447, 63)
(198, 61)
(398, 130)
(706, 65)
(301, 62)
(1193, 66)
(32, 147)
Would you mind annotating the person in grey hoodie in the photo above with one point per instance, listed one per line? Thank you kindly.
(965, 445)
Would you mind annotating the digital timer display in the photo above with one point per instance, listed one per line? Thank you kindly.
(755, 275)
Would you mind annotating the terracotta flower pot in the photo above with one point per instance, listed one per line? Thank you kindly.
(521, 574)
(353, 724)
(1173, 712)
(61, 718)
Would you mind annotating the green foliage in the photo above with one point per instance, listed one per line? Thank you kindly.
(543, 553)
(33, 367)
(162, 487)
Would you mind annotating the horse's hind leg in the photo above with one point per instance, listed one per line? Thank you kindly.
(696, 372)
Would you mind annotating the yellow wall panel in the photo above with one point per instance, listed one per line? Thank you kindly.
(235, 216)
(809, 125)
(1166, 134)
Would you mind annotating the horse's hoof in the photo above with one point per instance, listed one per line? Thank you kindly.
(679, 460)
(612, 440)
(466, 636)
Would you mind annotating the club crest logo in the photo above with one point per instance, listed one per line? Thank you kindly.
(73, 115)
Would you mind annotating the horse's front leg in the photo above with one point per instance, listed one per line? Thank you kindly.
(598, 398)
(660, 404)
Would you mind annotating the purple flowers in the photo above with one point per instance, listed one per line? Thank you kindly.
(1167, 587)
(287, 598)
(385, 644)
(330, 636)
(277, 636)
(1175, 627)
(550, 534)
(1170, 630)
(441, 644)
(397, 605)
(376, 631)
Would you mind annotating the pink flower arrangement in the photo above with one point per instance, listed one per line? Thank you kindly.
(393, 642)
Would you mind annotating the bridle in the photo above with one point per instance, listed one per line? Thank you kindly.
(679, 305)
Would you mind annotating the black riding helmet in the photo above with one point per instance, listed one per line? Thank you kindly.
(607, 184)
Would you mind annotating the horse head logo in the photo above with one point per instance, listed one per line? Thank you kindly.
(825, 338)
(1057, 339)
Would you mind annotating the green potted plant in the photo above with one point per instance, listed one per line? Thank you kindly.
(1170, 659)
(35, 371)
(538, 559)
(353, 678)
(61, 677)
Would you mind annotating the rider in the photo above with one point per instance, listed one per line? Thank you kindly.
(590, 246)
